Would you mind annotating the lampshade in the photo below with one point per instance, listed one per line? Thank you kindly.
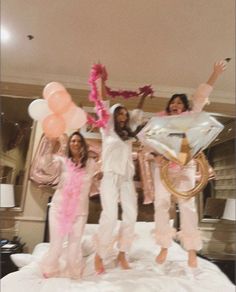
(7, 199)
(229, 211)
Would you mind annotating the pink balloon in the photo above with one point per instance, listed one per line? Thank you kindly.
(53, 126)
(52, 87)
(75, 117)
(59, 102)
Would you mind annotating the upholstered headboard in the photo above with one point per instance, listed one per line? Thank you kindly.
(145, 212)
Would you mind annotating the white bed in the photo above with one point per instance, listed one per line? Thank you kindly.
(145, 275)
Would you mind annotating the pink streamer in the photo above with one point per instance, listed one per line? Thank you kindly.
(99, 71)
(143, 91)
(71, 192)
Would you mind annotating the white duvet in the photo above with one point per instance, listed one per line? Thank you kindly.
(145, 275)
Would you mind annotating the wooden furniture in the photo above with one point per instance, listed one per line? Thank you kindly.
(226, 262)
(219, 245)
(7, 266)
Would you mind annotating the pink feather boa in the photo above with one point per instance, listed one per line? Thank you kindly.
(99, 71)
(70, 192)
(142, 91)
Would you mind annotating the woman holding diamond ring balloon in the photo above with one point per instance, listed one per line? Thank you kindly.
(185, 178)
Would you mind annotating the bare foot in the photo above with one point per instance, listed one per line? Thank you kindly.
(121, 260)
(192, 259)
(52, 274)
(161, 257)
(99, 267)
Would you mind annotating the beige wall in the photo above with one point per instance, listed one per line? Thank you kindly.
(29, 224)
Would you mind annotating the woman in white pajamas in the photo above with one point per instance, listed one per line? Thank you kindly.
(189, 234)
(117, 185)
(69, 211)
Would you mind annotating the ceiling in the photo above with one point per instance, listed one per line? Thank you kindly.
(170, 44)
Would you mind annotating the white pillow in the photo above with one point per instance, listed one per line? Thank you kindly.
(90, 229)
(22, 259)
(40, 249)
(87, 245)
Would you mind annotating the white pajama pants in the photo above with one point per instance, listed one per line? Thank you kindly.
(188, 234)
(51, 262)
(114, 189)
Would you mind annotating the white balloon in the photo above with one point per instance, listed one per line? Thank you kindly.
(38, 109)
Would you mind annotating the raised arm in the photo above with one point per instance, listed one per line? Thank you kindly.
(144, 91)
(141, 102)
(98, 95)
(101, 89)
(218, 69)
(200, 97)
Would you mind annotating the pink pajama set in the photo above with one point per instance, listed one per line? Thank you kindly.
(117, 185)
(67, 218)
(185, 177)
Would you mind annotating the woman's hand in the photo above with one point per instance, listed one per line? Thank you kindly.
(98, 175)
(160, 160)
(220, 67)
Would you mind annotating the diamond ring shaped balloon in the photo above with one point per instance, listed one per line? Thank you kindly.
(180, 137)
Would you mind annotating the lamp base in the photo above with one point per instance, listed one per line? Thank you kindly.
(230, 248)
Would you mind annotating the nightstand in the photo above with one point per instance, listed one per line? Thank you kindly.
(7, 266)
(226, 262)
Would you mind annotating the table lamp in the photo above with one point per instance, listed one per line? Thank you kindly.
(229, 217)
(230, 209)
(7, 198)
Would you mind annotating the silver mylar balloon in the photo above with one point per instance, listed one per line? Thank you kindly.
(173, 136)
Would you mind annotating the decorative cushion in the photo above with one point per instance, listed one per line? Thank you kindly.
(22, 259)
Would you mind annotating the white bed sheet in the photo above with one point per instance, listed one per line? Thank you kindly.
(145, 275)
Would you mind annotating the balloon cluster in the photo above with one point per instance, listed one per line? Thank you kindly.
(56, 111)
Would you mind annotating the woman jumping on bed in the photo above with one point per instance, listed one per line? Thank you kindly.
(69, 211)
(189, 234)
(117, 185)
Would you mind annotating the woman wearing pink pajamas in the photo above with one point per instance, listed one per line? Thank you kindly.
(69, 211)
(185, 177)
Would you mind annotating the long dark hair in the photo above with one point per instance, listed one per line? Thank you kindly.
(125, 133)
(183, 97)
(84, 148)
